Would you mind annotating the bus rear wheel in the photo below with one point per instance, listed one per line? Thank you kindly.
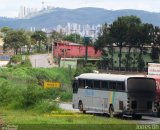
(80, 106)
(137, 117)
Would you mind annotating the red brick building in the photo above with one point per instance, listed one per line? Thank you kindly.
(73, 50)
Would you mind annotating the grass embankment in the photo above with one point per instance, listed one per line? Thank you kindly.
(23, 100)
(61, 117)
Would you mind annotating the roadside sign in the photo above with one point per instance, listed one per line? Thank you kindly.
(52, 84)
(153, 69)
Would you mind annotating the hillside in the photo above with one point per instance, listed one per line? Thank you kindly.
(61, 16)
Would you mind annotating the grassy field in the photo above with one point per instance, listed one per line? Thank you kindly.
(61, 117)
(61, 120)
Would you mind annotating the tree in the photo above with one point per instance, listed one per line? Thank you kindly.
(6, 29)
(39, 37)
(56, 36)
(118, 31)
(15, 39)
(30, 41)
(103, 42)
(76, 38)
(133, 23)
(155, 44)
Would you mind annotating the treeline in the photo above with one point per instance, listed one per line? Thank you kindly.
(130, 33)
(38, 40)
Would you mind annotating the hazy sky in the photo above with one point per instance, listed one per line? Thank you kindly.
(10, 8)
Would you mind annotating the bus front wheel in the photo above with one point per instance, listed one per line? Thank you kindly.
(111, 110)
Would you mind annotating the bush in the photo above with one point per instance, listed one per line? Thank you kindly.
(32, 95)
(46, 106)
(15, 59)
(66, 96)
(88, 68)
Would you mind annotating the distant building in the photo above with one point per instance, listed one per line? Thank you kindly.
(73, 50)
(25, 11)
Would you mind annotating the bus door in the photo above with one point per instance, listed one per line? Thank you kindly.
(89, 94)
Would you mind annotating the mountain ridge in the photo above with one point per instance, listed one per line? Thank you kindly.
(87, 15)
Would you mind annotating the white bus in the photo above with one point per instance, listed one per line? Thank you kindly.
(114, 94)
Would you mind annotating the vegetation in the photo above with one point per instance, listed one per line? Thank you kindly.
(15, 40)
(131, 33)
(22, 93)
(21, 86)
(39, 37)
(60, 117)
(76, 38)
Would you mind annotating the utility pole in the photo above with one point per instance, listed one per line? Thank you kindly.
(74, 34)
(86, 41)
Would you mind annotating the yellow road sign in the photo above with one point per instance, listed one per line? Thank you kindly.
(52, 84)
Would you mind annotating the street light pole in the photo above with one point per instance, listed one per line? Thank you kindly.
(86, 41)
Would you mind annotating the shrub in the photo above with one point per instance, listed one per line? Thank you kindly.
(16, 58)
(32, 95)
(88, 68)
(46, 106)
(66, 96)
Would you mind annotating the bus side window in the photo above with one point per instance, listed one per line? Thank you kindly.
(81, 83)
(112, 85)
(104, 85)
(89, 84)
(96, 84)
(75, 87)
(120, 86)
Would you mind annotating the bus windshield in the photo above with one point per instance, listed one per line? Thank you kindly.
(141, 85)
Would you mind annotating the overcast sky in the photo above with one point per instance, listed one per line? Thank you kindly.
(10, 8)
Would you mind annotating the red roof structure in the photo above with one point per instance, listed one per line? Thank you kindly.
(67, 49)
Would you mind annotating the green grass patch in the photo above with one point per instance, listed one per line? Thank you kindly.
(30, 117)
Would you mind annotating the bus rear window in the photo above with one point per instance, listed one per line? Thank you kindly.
(141, 85)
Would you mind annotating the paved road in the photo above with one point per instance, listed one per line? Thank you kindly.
(68, 106)
(41, 60)
(144, 120)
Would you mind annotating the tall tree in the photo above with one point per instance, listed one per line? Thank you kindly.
(15, 39)
(133, 23)
(39, 37)
(155, 44)
(103, 42)
(56, 36)
(118, 30)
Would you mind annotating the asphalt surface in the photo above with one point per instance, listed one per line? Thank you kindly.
(41, 60)
(144, 120)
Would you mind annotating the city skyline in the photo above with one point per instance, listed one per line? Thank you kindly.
(11, 8)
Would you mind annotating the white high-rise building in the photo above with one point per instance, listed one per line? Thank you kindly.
(22, 12)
